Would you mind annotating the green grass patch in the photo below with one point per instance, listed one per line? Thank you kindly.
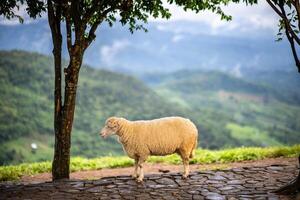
(202, 156)
(244, 133)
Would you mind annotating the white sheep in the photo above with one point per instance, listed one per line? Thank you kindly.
(163, 136)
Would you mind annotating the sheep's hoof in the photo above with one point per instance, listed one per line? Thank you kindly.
(134, 176)
(139, 180)
(184, 177)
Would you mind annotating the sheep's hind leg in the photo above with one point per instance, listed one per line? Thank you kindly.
(185, 161)
(186, 167)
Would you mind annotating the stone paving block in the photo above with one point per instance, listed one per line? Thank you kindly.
(238, 183)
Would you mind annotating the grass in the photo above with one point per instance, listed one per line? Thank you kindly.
(243, 133)
(202, 156)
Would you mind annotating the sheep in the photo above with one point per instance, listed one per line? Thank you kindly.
(158, 137)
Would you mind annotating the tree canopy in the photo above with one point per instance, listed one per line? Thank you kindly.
(92, 12)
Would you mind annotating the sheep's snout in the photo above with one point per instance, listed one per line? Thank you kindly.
(102, 134)
(105, 132)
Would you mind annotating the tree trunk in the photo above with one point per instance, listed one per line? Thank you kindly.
(63, 113)
(56, 170)
(61, 162)
(54, 19)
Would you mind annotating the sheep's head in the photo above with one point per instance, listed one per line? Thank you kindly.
(111, 127)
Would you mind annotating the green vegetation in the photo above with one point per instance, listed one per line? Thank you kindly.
(231, 111)
(228, 111)
(202, 156)
(246, 133)
(26, 108)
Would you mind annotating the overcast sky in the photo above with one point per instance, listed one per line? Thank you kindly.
(250, 23)
(254, 19)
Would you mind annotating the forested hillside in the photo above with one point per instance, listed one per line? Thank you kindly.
(228, 111)
(260, 109)
(26, 107)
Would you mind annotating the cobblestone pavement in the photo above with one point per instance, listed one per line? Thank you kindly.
(239, 183)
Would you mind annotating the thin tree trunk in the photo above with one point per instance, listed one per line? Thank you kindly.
(54, 19)
(64, 113)
(57, 171)
(61, 161)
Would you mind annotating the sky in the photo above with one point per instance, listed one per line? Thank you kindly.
(245, 19)
(246, 41)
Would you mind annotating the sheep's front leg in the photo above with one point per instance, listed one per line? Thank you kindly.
(140, 165)
(136, 167)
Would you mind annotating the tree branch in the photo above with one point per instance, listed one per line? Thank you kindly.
(89, 13)
(69, 31)
(52, 19)
(75, 14)
(275, 9)
(285, 19)
(288, 25)
(293, 50)
(297, 7)
(91, 35)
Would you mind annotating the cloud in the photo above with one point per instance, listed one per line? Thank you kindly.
(109, 52)
(246, 19)
(255, 61)
(236, 71)
(177, 38)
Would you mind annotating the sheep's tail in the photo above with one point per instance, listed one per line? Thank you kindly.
(192, 154)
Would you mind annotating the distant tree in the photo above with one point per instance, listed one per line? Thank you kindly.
(289, 24)
(82, 18)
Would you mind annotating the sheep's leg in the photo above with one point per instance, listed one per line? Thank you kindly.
(186, 167)
(185, 161)
(140, 165)
(136, 168)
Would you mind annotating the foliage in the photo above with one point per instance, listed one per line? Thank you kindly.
(222, 107)
(82, 19)
(130, 12)
(202, 156)
(25, 105)
(262, 114)
(245, 133)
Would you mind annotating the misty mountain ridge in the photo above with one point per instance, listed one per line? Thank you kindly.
(282, 85)
(167, 47)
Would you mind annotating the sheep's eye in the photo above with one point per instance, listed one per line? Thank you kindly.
(109, 126)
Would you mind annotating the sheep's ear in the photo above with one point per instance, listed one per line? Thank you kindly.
(116, 124)
(113, 123)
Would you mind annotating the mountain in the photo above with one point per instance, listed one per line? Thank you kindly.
(285, 83)
(166, 47)
(26, 107)
(228, 111)
(249, 111)
(282, 85)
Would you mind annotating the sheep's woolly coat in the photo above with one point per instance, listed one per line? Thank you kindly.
(157, 137)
